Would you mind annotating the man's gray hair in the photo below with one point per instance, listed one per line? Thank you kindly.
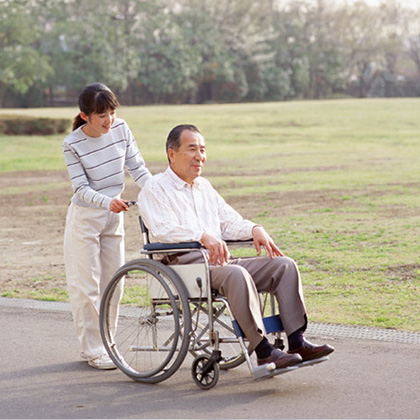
(174, 137)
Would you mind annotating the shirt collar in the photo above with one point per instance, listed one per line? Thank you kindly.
(180, 183)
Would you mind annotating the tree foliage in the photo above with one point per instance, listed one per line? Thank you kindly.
(195, 51)
(22, 61)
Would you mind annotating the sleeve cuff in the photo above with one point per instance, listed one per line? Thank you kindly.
(107, 203)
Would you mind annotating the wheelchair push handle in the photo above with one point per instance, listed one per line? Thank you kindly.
(131, 203)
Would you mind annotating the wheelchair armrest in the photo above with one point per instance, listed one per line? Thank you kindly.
(158, 246)
(170, 247)
(240, 243)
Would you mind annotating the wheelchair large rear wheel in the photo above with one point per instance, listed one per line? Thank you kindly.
(143, 316)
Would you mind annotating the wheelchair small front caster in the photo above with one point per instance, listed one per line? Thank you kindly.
(205, 372)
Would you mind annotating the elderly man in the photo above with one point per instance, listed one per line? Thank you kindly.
(179, 206)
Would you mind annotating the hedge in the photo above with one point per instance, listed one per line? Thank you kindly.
(15, 125)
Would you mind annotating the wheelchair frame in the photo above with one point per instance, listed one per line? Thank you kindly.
(162, 323)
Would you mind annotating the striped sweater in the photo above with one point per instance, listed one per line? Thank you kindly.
(96, 164)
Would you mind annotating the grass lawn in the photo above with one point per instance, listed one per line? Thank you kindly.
(336, 183)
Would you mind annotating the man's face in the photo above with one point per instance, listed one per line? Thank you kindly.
(188, 161)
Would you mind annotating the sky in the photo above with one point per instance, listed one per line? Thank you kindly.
(406, 3)
(411, 3)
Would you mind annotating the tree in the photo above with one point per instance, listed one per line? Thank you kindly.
(223, 34)
(391, 44)
(285, 67)
(411, 32)
(361, 40)
(322, 48)
(169, 69)
(205, 50)
(22, 63)
(86, 46)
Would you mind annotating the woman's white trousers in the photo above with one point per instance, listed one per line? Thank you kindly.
(93, 251)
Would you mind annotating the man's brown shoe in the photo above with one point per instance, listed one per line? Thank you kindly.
(310, 351)
(280, 359)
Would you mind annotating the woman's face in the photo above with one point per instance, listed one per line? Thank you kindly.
(98, 124)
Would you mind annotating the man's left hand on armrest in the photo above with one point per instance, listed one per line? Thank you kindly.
(262, 238)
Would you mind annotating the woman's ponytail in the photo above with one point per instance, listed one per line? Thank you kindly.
(78, 122)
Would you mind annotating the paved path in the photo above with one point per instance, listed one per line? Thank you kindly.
(41, 377)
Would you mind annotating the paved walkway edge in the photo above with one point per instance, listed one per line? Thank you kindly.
(318, 329)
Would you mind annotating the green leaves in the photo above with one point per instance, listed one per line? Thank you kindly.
(190, 51)
(22, 63)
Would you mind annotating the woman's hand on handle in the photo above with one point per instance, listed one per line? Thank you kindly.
(118, 205)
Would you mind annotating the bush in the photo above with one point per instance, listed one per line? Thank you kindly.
(15, 125)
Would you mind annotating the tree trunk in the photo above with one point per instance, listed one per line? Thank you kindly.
(2, 87)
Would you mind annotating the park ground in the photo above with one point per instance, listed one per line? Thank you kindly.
(334, 182)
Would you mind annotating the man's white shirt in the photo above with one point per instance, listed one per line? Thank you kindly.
(175, 211)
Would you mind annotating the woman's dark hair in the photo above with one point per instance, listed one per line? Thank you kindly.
(95, 99)
(174, 137)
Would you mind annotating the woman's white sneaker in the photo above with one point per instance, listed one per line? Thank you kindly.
(102, 362)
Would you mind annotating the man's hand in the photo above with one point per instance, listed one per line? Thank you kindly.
(218, 250)
(262, 238)
(118, 205)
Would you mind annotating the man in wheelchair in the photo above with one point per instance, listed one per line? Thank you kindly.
(179, 205)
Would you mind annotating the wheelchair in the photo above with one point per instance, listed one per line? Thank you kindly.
(152, 315)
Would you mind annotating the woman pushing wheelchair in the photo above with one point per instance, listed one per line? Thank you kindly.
(96, 152)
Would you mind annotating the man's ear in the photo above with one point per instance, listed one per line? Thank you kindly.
(84, 117)
(170, 155)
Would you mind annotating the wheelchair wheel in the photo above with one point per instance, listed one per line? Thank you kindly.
(232, 355)
(205, 379)
(143, 316)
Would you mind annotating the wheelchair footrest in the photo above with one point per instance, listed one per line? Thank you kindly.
(312, 362)
(269, 370)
